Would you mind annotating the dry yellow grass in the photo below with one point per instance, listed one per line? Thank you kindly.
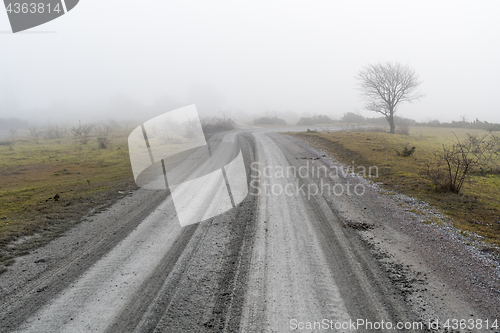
(85, 177)
(477, 209)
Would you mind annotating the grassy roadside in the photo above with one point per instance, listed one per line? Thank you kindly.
(476, 210)
(86, 178)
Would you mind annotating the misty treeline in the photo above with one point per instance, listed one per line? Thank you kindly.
(7, 124)
(82, 132)
(476, 124)
(85, 132)
(314, 120)
(215, 124)
(269, 120)
(351, 117)
(402, 123)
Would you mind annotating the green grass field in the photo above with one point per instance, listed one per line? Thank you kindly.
(476, 209)
(86, 178)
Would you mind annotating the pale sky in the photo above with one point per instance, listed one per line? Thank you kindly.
(120, 58)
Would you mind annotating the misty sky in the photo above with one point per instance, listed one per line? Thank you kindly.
(115, 58)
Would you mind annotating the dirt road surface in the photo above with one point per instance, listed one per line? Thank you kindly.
(306, 251)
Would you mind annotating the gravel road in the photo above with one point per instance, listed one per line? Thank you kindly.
(296, 252)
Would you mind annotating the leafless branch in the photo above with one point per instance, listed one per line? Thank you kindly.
(385, 86)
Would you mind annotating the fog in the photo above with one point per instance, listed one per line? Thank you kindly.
(137, 59)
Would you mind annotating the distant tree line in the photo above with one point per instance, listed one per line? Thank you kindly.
(476, 124)
(351, 117)
(268, 120)
(7, 124)
(214, 124)
(314, 120)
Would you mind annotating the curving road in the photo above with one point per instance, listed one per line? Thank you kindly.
(278, 262)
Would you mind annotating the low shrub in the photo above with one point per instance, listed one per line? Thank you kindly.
(266, 120)
(214, 125)
(406, 152)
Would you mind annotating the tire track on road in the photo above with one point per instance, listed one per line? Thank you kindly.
(112, 227)
(305, 265)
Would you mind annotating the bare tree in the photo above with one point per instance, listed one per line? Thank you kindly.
(103, 129)
(487, 149)
(103, 142)
(13, 132)
(453, 166)
(191, 128)
(54, 131)
(113, 124)
(34, 132)
(384, 86)
(82, 132)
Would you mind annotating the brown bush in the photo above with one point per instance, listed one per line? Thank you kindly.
(453, 165)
